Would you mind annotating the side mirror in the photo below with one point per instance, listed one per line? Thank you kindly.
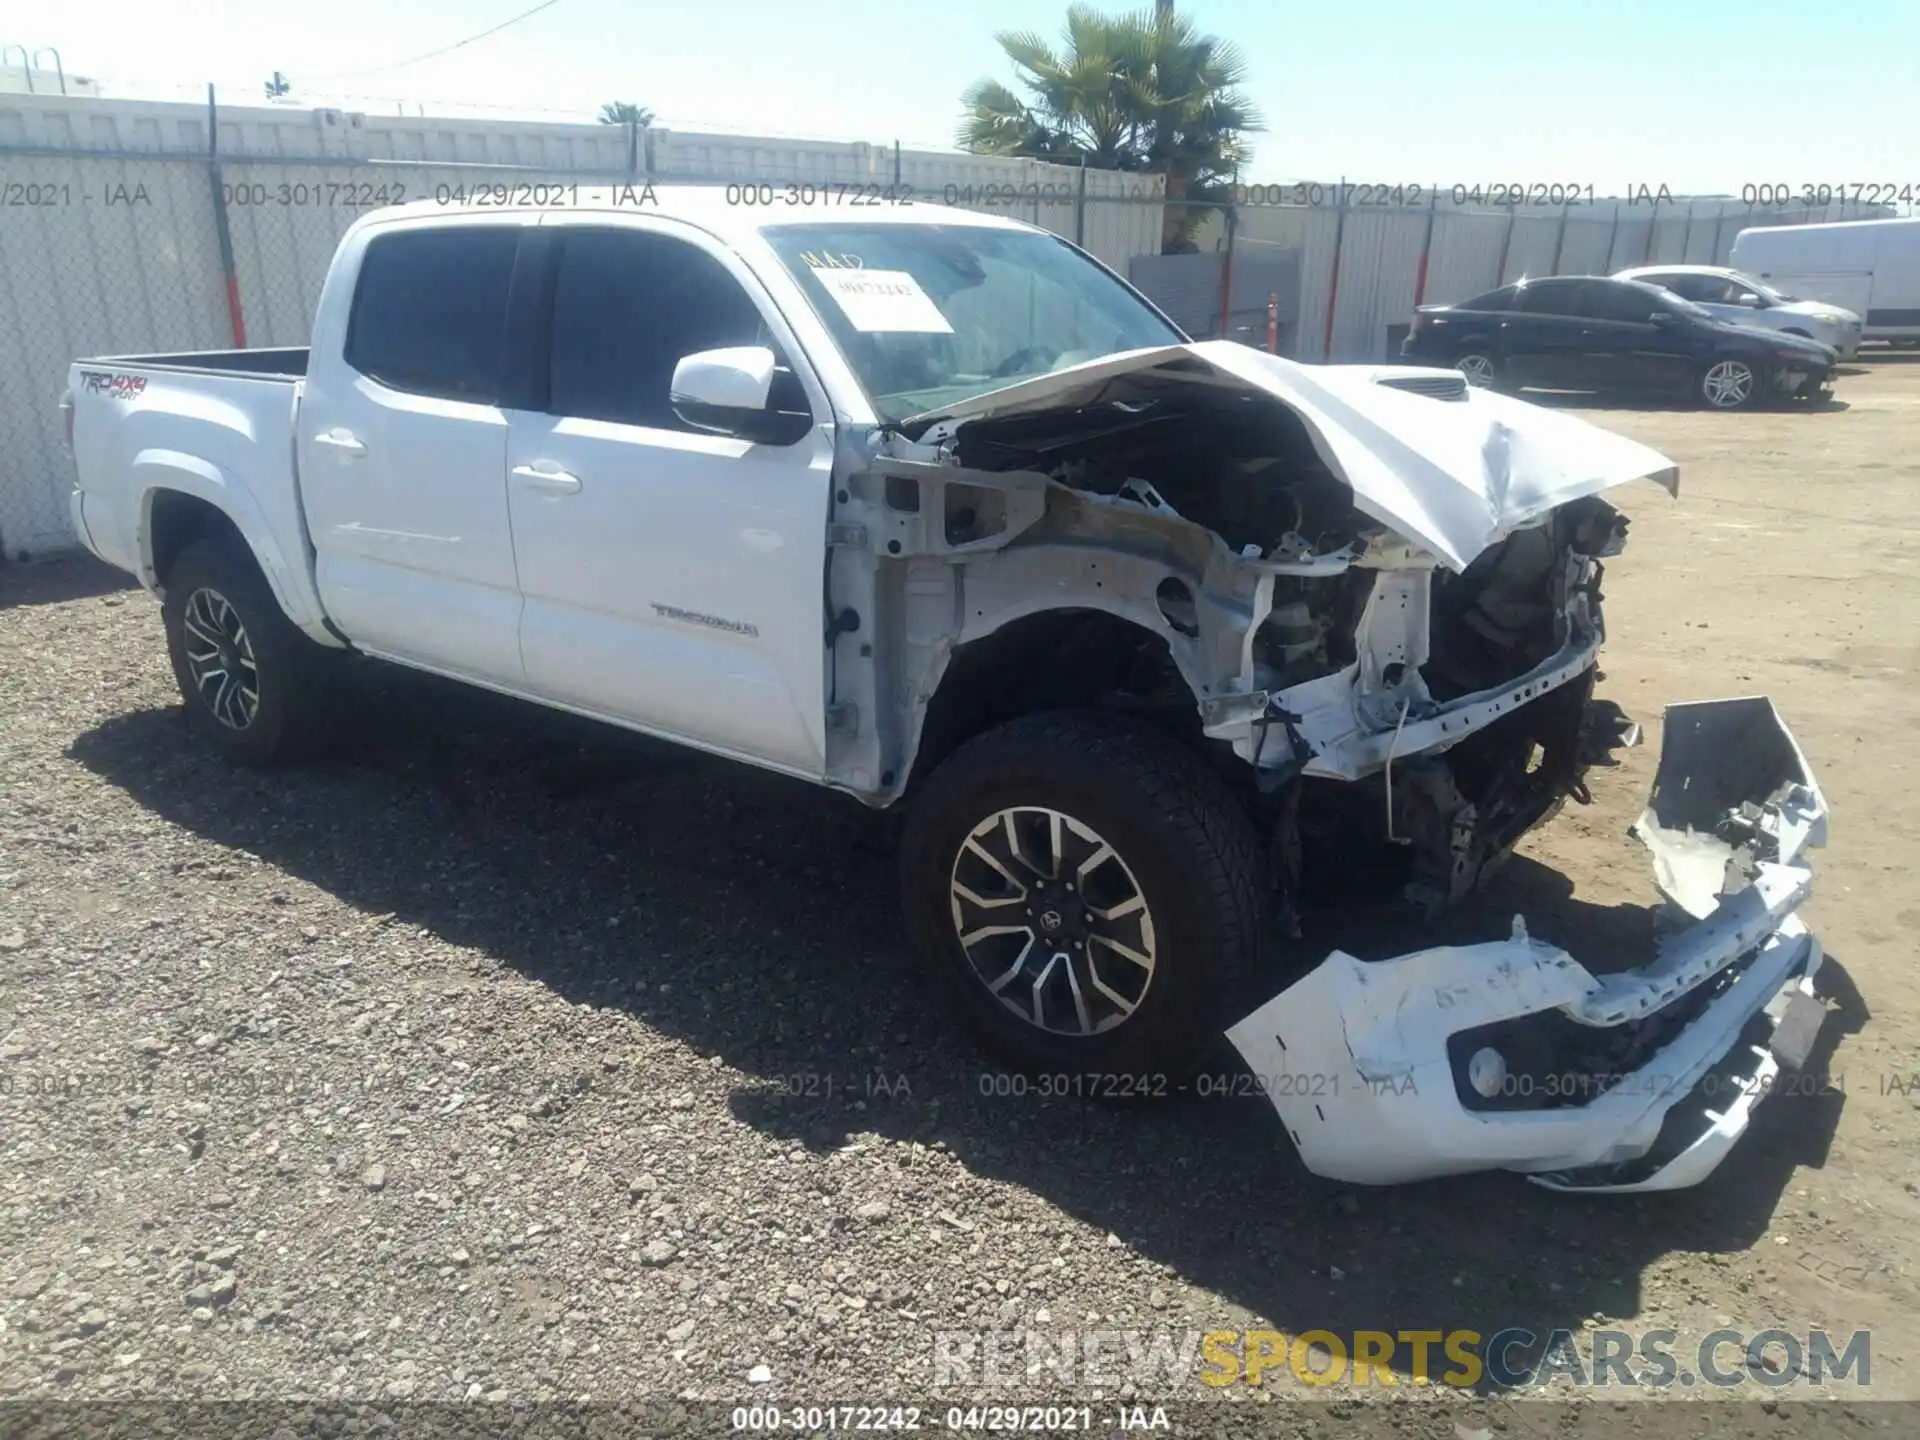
(729, 392)
(1662, 317)
(1751, 300)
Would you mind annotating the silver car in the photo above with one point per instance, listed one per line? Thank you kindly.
(1741, 299)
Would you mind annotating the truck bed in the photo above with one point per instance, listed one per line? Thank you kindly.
(215, 426)
(285, 363)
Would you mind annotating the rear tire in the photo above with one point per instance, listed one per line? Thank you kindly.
(253, 684)
(1009, 836)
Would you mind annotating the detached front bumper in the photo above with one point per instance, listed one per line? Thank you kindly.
(1803, 382)
(1513, 1055)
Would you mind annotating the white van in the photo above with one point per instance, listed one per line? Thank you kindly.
(1871, 267)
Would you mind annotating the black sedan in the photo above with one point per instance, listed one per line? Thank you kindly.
(1619, 336)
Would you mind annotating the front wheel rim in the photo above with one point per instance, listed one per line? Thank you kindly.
(1728, 384)
(220, 659)
(1052, 921)
(1478, 369)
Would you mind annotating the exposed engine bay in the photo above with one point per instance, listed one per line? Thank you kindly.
(1374, 596)
(1317, 642)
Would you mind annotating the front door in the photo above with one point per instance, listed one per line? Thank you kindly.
(1643, 340)
(673, 578)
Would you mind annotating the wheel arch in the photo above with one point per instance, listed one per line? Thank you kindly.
(184, 498)
(1088, 656)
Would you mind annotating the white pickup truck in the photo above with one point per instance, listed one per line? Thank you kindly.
(930, 506)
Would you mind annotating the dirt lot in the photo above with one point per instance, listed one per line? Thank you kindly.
(493, 1062)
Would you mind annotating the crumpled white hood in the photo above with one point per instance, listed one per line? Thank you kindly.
(1453, 476)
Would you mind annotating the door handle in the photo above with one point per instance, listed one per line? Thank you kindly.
(560, 482)
(342, 440)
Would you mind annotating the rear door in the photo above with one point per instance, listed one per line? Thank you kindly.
(672, 577)
(402, 444)
(1543, 336)
(1891, 308)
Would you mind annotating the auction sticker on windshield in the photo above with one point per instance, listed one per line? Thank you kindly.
(883, 301)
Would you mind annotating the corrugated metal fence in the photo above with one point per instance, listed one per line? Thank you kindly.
(123, 229)
(1392, 258)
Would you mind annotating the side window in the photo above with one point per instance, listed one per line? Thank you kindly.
(1494, 300)
(1711, 290)
(1617, 300)
(1548, 297)
(627, 307)
(430, 311)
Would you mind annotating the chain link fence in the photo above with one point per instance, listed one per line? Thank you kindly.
(145, 226)
(125, 227)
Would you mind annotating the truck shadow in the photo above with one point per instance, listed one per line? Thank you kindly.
(754, 920)
(56, 581)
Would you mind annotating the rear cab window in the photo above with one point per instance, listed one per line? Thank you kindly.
(430, 311)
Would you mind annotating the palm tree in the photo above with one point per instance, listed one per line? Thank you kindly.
(620, 112)
(1140, 91)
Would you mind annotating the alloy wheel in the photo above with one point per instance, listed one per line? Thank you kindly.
(1727, 384)
(1478, 370)
(220, 659)
(1052, 921)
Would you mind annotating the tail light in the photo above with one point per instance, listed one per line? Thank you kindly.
(66, 415)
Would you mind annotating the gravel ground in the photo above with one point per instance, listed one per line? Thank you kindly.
(502, 1059)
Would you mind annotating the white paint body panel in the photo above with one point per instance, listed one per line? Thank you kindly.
(667, 526)
(1355, 1056)
(406, 503)
(224, 439)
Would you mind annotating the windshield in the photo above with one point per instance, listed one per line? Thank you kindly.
(931, 315)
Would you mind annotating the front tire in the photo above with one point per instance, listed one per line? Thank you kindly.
(253, 684)
(1730, 385)
(1087, 893)
(1481, 368)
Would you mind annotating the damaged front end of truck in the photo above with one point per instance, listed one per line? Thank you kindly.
(1373, 595)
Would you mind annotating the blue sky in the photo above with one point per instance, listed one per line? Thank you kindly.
(1702, 96)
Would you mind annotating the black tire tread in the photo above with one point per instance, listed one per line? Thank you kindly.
(303, 721)
(1188, 797)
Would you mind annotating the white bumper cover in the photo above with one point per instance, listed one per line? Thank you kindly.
(1512, 1055)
